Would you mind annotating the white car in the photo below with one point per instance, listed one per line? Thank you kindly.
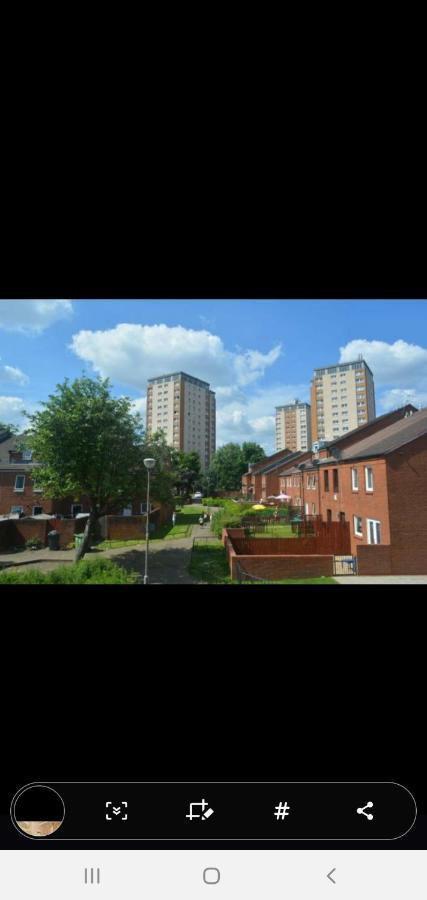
(197, 496)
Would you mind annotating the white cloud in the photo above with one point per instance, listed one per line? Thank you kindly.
(140, 406)
(400, 364)
(397, 397)
(399, 369)
(12, 411)
(251, 417)
(33, 316)
(10, 373)
(130, 354)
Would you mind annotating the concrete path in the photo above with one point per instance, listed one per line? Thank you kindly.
(168, 560)
(381, 579)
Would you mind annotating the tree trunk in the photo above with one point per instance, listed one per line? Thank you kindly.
(87, 537)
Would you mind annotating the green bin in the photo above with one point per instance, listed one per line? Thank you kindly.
(78, 540)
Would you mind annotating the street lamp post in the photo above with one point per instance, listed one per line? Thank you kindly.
(149, 464)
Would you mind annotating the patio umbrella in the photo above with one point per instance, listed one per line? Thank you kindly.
(282, 497)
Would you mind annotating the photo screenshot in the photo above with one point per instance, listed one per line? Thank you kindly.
(277, 443)
(216, 840)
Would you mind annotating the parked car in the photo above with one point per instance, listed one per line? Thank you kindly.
(197, 496)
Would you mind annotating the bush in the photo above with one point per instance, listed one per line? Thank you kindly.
(98, 571)
(33, 544)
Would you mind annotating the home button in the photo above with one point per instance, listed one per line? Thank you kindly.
(211, 876)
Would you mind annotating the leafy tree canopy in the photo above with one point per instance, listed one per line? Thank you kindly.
(252, 452)
(88, 442)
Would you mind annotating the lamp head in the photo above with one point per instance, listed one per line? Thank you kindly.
(149, 463)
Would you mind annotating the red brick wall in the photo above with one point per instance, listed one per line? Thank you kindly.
(275, 568)
(5, 535)
(123, 528)
(19, 531)
(306, 564)
(368, 505)
(407, 484)
(374, 559)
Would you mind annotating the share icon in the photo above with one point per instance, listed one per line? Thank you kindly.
(361, 811)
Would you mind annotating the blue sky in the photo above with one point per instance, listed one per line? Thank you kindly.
(255, 354)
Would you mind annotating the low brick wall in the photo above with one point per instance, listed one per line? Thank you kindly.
(374, 559)
(16, 532)
(123, 528)
(5, 532)
(274, 566)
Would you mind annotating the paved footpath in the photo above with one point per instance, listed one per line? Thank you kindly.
(381, 579)
(168, 560)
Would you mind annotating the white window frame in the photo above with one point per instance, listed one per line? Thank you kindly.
(369, 489)
(354, 479)
(27, 455)
(355, 522)
(16, 510)
(20, 490)
(374, 522)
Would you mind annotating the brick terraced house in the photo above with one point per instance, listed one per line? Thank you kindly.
(375, 478)
(263, 478)
(20, 496)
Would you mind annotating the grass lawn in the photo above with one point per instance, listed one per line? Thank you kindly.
(283, 531)
(186, 517)
(209, 563)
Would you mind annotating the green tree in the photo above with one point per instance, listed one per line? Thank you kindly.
(9, 429)
(231, 461)
(228, 465)
(252, 452)
(88, 443)
(186, 471)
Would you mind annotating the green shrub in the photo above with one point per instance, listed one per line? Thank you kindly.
(33, 544)
(88, 571)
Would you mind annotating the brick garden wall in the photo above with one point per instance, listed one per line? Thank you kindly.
(374, 559)
(277, 567)
(274, 566)
(16, 532)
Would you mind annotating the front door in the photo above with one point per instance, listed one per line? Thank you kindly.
(374, 531)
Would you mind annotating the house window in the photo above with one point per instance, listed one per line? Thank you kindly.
(75, 509)
(311, 482)
(19, 483)
(369, 478)
(357, 523)
(326, 479)
(335, 480)
(313, 509)
(27, 455)
(329, 515)
(354, 479)
(16, 510)
(374, 531)
(37, 510)
(341, 517)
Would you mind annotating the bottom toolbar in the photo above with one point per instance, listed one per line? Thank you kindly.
(223, 875)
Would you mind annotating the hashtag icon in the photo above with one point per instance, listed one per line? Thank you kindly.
(282, 810)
